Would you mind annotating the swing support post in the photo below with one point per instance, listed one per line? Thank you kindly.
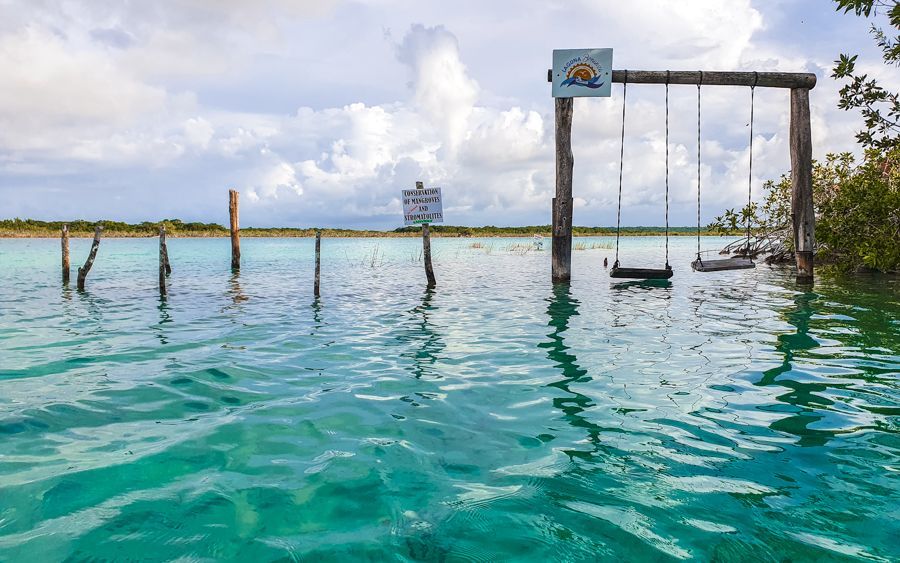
(802, 210)
(562, 203)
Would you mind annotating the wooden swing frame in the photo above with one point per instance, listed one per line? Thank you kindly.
(802, 209)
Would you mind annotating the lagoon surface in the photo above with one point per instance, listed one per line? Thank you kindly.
(726, 416)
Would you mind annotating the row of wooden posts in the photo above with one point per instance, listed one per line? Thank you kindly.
(82, 271)
(165, 267)
(802, 210)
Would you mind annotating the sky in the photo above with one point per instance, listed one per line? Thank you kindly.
(319, 112)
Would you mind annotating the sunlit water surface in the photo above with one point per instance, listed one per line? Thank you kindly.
(728, 416)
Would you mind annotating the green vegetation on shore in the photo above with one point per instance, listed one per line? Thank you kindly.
(857, 200)
(32, 228)
(858, 212)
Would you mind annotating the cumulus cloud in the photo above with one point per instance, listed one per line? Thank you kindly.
(444, 94)
(489, 159)
(48, 90)
(704, 33)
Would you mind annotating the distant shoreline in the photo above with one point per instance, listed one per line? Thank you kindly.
(175, 228)
(325, 234)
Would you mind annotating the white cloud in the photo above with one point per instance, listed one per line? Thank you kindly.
(47, 90)
(198, 132)
(281, 176)
(190, 90)
(702, 33)
(444, 93)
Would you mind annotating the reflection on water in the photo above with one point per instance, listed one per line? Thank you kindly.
(424, 336)
(801, 394)
(316, 314)
(234, 288)
(643, 284)
(165, 317)
(561, 307)
(716, 417)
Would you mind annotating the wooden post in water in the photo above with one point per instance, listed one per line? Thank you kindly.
(426, 247)
(562, 203)
(235, 230)
(318, 253)
(802, 210)
(164, 268)
(83, 271)
(66, 267)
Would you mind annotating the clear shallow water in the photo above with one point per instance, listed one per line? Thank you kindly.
(727, 416)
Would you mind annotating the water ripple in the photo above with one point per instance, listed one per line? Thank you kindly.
(724, 416)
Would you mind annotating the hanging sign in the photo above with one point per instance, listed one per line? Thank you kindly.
(579, 73)
(422, 206)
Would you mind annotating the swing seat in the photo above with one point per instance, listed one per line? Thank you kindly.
(722, 264)
(641, 273)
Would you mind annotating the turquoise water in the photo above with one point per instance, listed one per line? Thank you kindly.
(729, 416)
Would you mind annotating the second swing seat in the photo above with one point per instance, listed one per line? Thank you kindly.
(641, 273)
(723, 264)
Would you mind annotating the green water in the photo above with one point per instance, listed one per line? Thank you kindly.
(729, 417)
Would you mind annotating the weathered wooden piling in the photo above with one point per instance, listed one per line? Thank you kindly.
(165, 251)
(802, 209)
(83, 271)
(318, 256)
(426, 247)
(66, 266)
(235, 230)
(164, 268)
(561, 266)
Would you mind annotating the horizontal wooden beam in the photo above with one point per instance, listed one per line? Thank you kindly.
(713, 78)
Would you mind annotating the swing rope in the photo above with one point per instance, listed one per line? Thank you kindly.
(750, 168)
(621, 166)
(667, 168)
(698, 164)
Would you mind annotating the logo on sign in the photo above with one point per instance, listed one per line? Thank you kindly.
(583, 71)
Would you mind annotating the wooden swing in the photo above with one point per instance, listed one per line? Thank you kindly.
(735, 262)
(641, 273)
